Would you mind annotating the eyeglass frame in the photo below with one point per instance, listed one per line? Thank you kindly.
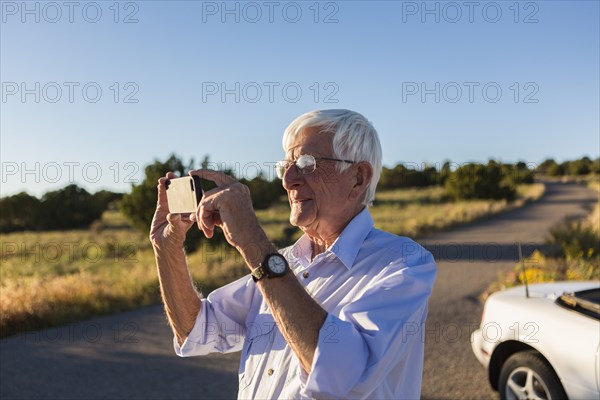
(295, 163)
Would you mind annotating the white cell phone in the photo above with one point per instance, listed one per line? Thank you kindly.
(183, 194)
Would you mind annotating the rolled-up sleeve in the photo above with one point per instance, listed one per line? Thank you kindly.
(220, 324)
(378, 334)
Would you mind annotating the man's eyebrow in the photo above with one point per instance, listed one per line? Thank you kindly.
(300, 154)
(289, 156)
(293, 154)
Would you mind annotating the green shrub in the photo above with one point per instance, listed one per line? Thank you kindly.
(478, 181)
(573, 240)
(582, 166)
(264, 193)
(402, 176)
(19, 212)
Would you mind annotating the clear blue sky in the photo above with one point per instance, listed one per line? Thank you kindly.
(374, 57)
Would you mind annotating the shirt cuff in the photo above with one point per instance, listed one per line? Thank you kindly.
(339, 344)
(193, 343)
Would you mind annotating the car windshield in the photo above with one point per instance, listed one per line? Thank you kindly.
(586, 302)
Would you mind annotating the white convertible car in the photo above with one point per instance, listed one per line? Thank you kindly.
(545, 346)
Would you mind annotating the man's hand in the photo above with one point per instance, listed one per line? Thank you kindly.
(167, 234)
(166, 228)
(229, 206)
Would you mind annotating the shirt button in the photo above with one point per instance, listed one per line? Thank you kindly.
(305, 274)
(270, 371)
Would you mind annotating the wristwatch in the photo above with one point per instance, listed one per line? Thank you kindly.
(274, 266)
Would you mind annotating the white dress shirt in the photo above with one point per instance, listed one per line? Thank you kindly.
(374, 287)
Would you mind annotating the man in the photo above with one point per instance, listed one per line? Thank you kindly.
(337, 315)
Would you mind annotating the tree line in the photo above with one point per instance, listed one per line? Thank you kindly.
(583, 166)
(73, 207)
(467, 181)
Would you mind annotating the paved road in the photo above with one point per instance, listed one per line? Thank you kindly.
(129, 355)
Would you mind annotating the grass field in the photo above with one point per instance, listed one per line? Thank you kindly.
(52, 278)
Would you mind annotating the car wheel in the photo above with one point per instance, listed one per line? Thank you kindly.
(526, 375)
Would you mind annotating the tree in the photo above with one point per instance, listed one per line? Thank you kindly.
(264, 193)
(478, 181)
(68, 208)
(595, 166)
(401, 177)
(71, 207)
(547, 166)
(103, 198)
(445, 172)
(517, 173)
(583, 166)
(556, 170)
(18, 212)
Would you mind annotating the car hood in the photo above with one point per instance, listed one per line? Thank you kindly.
(551, 290)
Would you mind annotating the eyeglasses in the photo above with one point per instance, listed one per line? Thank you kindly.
(306, 164)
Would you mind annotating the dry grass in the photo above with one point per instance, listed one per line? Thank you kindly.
(53, 278)
(34, 302)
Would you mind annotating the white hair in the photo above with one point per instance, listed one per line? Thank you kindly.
(354, 138)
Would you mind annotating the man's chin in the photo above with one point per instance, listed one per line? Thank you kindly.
(301, 219)
(295, 221)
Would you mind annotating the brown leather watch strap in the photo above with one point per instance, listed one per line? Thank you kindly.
(259, 273)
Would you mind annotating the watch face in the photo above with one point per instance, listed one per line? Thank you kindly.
(277, 264)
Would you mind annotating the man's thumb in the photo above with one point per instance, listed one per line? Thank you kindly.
(173, 219)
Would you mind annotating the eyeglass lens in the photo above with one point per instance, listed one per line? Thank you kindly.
(306, 164)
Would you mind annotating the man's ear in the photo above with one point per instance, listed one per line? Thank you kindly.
(363, 172)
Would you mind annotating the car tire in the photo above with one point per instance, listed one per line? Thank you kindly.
(528, 375)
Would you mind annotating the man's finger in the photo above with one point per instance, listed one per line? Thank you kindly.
(163, 179)
(207, 194)
(173, 218)
(218, 177)
(161, 183)
(205, 222)
(162, 191)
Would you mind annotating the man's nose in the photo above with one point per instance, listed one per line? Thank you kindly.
(292, 178)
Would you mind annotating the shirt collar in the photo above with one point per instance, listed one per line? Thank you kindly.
(345, 247)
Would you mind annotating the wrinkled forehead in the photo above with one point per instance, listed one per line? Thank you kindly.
(310, 141)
